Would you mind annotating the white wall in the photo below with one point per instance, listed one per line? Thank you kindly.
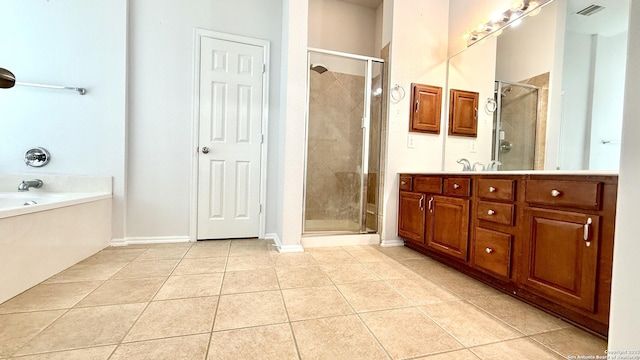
(465, 15)
(341, 26)
(606, 123)
(418, 55)
(160, 102)
(625, 293)
(70, 43)
(464, 75)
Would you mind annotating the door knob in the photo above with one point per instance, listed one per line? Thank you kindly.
(205, 150)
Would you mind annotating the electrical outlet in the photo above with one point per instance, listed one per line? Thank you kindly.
(410, 144)
(473, 146)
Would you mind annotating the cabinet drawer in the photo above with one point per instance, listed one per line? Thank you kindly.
(496, 189)
(495, 212)
(457, 186)
(577, 194)
(405, 183)
(493, 251)
(427, 184)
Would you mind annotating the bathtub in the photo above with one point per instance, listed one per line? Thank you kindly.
(62, 223)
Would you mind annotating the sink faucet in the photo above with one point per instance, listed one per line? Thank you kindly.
(493, 165)
(26, 184)
(466, 165)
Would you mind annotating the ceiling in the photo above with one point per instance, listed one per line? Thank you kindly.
(613, 19)
(371, 4)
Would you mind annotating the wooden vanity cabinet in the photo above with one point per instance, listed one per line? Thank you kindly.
(546, 239)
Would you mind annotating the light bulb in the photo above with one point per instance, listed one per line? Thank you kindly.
(516, 23)
(481, 27)
(498, 33)
(517, 5)
(466, 36)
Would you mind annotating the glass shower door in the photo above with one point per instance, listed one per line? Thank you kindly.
(343, 147)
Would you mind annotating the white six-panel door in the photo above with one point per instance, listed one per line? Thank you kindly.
(230, 136)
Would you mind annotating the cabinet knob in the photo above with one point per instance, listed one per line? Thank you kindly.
(492, 189)
(488, 250)
(456, 186)
(403, 182)
(490, 212)
(555, 193)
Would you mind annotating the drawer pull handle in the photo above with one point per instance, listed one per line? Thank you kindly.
(456, 186)
(422, 203)
(431, 204)
(555, 193)
(488, 250)
(492, 189)
(490, 212)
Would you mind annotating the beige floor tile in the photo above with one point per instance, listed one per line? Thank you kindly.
(343, 337)
(84, 327)
(185, 286)
(107, 256)
(264, 342)
(371, 295)
(429, 268)
(207, 251)
(249, 250)
(421, 291)
(523, 317)
(337, 256)
(93, 353)
(389, 270)
(521, 349)
(163, 253)
(454, 317)
(256, 262)
(250, 309)
(348, 273)
(401, 252)
(572, 342)
(420, 336)
(316, 302)
(453, 355)
(174, 318)
(295, 259)
(366, 253)
(177, 348)
(465, 287)
(123, 291)
(218, 243)
(87, 272)
(250, 242)
(49, 297)
(200, 266)
(306, 276)
(249, 281)
(17, 329)
(146, 269)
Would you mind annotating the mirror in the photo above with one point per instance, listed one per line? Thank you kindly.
(551, 89)
(7, 79)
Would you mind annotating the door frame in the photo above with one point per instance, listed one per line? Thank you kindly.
(198, 34)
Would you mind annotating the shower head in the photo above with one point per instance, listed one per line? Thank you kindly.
(319, 68)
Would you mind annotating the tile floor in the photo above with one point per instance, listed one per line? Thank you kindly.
(241, 299)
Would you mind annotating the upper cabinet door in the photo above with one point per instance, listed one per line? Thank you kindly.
(426, 105)
(463, 113)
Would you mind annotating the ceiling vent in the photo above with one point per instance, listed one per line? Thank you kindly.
(590, 10)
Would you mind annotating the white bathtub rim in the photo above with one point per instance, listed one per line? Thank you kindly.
(69, 199)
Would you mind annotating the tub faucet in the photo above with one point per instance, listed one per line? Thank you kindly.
(466, 165)
(25, 185)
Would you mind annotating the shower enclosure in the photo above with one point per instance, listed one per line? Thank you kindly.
(343, 133)
(515, 125)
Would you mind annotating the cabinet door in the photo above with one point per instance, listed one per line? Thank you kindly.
(448, 225)
(561, 255)
(411, 216)
(463, 113)
(426, 104)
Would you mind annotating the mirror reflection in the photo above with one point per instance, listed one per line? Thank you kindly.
(551, 90)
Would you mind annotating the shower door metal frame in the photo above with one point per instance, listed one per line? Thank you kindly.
(365, 125)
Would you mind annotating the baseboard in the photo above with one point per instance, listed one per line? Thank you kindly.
(309, 241)
(149, 240)
(392, 243)
(281, 247)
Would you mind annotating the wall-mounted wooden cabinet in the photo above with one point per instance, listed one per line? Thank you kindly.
(463, 113)
(426, 109)
(547, 239)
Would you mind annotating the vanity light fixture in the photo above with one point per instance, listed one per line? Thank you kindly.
(500, 20)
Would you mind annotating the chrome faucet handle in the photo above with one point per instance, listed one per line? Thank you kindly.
(478, 168)
(466, 165)
(493, 165)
